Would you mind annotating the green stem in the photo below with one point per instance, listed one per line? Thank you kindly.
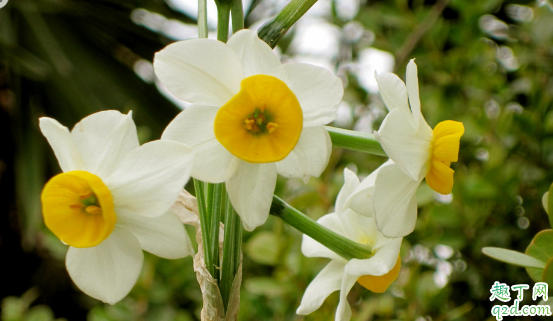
(354, 140)
(237, 15)
(339, 244)
(202, 19)
(275, 29)
(223, 18)
(232, 246)
(218, 206)
(205, 221)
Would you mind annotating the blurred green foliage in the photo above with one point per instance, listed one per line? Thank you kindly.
(486, 63)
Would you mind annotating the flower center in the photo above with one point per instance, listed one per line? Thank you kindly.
(262, 123)
(445, 150)
(379, 284)
(78, 208)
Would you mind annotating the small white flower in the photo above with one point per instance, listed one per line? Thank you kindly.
(375, 273)
(416, 150)
(112, 201)
(252, 118)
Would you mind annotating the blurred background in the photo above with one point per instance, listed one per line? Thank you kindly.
(487, 63)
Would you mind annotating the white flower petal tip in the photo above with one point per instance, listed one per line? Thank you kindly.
(250, 191)
(64, 147)
(255, 54)
(361, 200)
(393, 91)
(103, 139)
(200, 71)
(326, 282)
(107, 272)
(351, 183)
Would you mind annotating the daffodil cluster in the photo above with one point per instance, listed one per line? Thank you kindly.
(251, 118)
(382, 208)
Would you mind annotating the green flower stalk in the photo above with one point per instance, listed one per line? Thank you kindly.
(275, 29)
(354, 140)
(342, 246)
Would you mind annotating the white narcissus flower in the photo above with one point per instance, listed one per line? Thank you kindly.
(416, 150)
(375, 273)
(252, 117)
(112, 201)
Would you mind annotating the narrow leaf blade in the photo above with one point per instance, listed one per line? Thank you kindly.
(513, 257)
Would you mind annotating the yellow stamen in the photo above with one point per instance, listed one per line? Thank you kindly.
(246, 125)
(78, 208)
(88, 193)
(445, 150)
(249, 123)
(271, 127)
(379, 284)
(93, 210)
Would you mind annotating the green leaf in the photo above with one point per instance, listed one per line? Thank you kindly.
(513, 257)
(541, 248)
(545, 202)
(548, 272)
(550, 205)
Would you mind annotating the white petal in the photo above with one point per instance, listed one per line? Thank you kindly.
(361, 200)
(393, 92)
(251, 190)
(326, 282)
(343, 312)
(200, 71)
(163, 236)
(255, 54)
(413, 91)
(62, 143)
(354, 226)
(148, 181)
(312, 248)
(109, 270)
(395, 202)
(194, 127)
(213, 163)
(309, 157)
(351, 182)
(380, 263)
(103, 139)
(410, 150)
(317, 89)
